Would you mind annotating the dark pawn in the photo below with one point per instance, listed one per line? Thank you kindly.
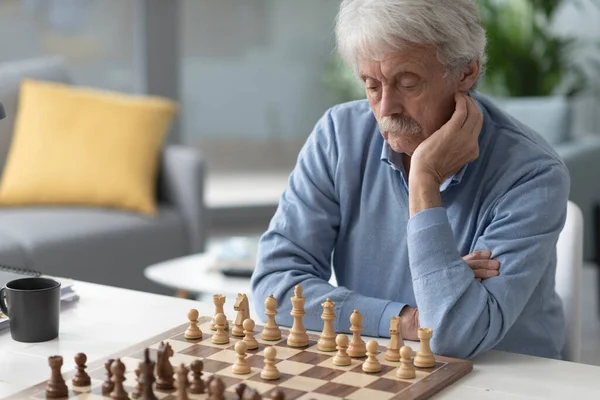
(56, 384)
(251, 394)
(207, 382)
(81, 377)
(108, 385)
(277, 394)
(197, 384)
(137, 392)
(239, 390)
(217, 389)
(181, 382)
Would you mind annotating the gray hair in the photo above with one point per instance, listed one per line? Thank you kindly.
(367, 28)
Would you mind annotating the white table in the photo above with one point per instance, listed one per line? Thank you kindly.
(107, 319)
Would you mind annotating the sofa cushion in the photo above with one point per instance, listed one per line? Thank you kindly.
(51, 69)
(94, 244)
(80, 146)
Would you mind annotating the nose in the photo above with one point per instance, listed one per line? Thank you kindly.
(391, 103)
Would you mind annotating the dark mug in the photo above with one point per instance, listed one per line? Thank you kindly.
(33, 308)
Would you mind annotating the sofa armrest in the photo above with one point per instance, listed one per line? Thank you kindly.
(181, 183)
(582, 158)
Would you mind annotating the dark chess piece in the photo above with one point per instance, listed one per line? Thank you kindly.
(207, 382)
(239, 390)
(146, 378)
(277, 394)
(182, 383)
(251, 394)
(118, 376)
(164, 370)
(217, 389)
(108, 385)
(197, 384)
(56, 384)
(137, 392)
(81, 377)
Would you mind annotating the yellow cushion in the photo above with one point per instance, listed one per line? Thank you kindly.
(76, 146)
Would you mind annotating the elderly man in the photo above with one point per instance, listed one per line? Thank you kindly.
(425, 199)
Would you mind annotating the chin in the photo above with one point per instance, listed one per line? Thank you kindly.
(402, 143)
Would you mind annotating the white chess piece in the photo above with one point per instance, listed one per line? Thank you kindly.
(341, 358)
(248, 325)
(270, 370)
(371, 364)
(357, 347)
(327, 339)
(271, 331)
(298, 336)
(193, 332)
(220, 336)
(241, 366)
(406, 370)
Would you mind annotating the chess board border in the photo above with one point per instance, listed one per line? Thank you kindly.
(453, 370)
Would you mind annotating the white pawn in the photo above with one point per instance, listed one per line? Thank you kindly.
(406, 370)
(193, 332)
(371, 364)
(220, 336)
(341, 358)
(248, 325)
(270, 371)
(241, 366)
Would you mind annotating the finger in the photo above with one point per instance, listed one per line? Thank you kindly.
(483, 264)
(472, 115)
(460, 113)
(485, 273)
(477, 255)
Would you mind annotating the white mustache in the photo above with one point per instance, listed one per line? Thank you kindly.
(402, 124)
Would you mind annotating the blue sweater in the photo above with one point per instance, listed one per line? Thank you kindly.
(346, 208)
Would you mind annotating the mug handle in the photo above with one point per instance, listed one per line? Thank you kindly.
(2, 303)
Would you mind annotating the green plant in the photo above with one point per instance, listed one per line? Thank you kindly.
(527, 57)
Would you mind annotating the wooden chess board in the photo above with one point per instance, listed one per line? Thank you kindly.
(306, 373)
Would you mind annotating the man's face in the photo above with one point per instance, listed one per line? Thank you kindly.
(409, 96)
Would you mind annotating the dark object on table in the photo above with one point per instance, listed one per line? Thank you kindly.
(56, 384)
(33, 308)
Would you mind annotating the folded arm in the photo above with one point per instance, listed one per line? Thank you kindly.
(298, 245)
(472, 317)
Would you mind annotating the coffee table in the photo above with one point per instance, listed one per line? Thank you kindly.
(196, 275)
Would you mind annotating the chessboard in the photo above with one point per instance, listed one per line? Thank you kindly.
(209, 358)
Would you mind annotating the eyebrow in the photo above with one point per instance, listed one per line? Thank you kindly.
(397, 75)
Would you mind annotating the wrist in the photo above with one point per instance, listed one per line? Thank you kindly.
(424, 192)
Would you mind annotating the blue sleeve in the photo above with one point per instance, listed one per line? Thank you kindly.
(522, 235)
(298, 245)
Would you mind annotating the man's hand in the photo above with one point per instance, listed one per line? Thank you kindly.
(482, 266)
(452, 146)
(410, 323)
(444, 153)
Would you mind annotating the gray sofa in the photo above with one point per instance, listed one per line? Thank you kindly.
(100, 245)
(552, 117)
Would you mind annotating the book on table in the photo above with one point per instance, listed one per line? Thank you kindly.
(9, 273)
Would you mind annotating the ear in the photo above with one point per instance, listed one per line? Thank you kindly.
(468, 78)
